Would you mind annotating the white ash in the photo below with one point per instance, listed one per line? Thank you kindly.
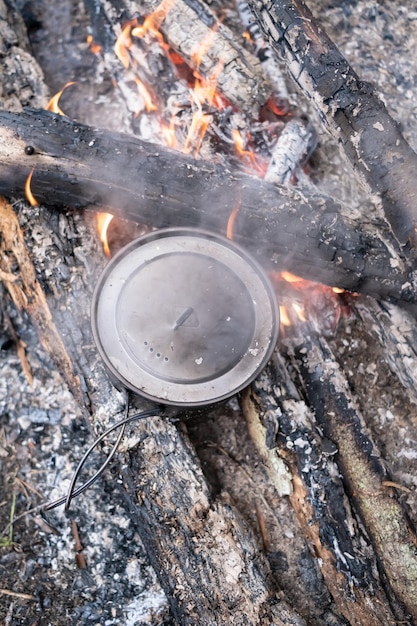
(45, 438)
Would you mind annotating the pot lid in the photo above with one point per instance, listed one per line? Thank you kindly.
(184, 317)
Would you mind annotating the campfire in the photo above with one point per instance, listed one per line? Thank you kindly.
(294, 501)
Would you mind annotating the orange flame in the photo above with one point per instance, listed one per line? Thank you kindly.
(196, 132)
(169, 135)
(124, 43)
(239, 142)
(283, 316)
(94, 47)
(53, 102)
(291, 278)
(28, 192)
(299, 311)
(103, 221)
(205, 89)
(204, 93)
(154, 21)
(240, 146)
(145, 94)
(202, 47)
(231, 221)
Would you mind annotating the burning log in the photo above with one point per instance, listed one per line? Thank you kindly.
(215, 554)
(196, 34)
(79, 167)
(353, 112)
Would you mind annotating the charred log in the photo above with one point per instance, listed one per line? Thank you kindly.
(295, 431)
(27, 294)
(185, 526)
(77, 166)
(193, 539)
(366, 479)
(195, 33)
(352, 110)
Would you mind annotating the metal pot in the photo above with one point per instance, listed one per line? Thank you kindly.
(184, 317)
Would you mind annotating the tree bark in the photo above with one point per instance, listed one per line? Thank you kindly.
(80, 167)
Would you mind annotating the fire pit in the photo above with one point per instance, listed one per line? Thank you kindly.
(311, 482)
(184, 317)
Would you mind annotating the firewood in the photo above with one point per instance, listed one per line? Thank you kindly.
(385, 518)
(206, 556)
(353, 112)
(58, 305)
(191, 27)
(396, 330)
(271, 65)
(28, 295)
(77, 166)
(305, 432)
(282, 420)
(290, 152)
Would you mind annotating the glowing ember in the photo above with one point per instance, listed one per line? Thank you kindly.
(53, 102)
(103, 221)
(29, 195)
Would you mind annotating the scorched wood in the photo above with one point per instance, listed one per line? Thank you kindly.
(77, 166)
(206, 556)
(195, 33)
(285, 424)
(58, 256)
(353, 112)
(387, 521)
